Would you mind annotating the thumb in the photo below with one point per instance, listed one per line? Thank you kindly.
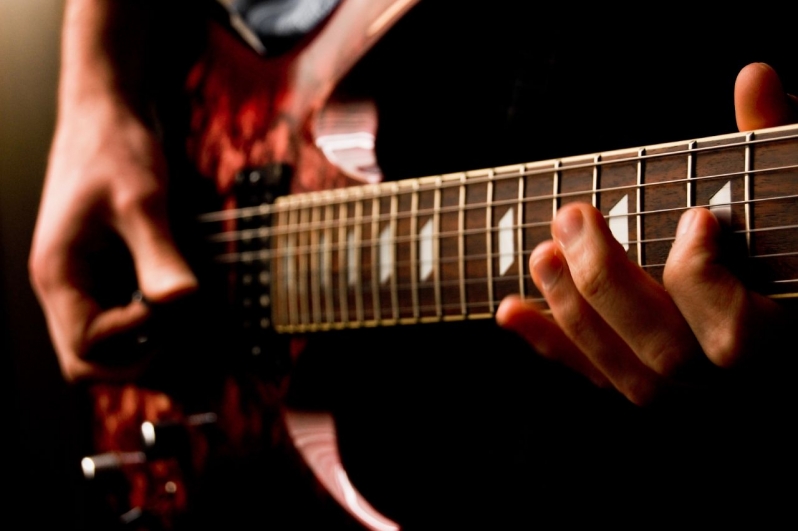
(760, 100)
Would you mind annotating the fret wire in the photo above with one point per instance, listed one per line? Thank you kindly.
(461, 244)
(639, 206)
(231, 214)
(414, 248)
(289, 260)
(520, 237)
(375, 279)
(436, 251)
(273, 231)
(282, 287)
(304, 313)
(691, 174)
(343, 212)
(315, 265)
(489, 240)
(593, 198)
(395, 273)
(358, 259)
(329, 299)
(747, 207)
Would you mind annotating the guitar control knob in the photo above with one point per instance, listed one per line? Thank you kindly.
(95, 465)
(171, 438)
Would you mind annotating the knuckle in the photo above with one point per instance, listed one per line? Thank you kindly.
(724, 346)
(139, 199)
(40, 272)
(593, 281)
(639, 391)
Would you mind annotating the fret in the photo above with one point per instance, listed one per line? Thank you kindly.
(415, 242)
(594, 198)
(450, 266)
(343, 254)
(555, 193)
(639, 206)
(327, 274)
(520, 235)
(461, 245)
(303, 247)
(506, 253)
(290, 265)
(279, 287)
(316, 261)
(691, 173)
(392, 240)
(749, 137)
(436, 247)
(488, 238)
(357, 270)
(375, 274)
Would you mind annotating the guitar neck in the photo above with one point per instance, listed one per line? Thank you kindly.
(450, 247)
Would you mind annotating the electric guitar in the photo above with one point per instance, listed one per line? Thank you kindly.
(372, 253)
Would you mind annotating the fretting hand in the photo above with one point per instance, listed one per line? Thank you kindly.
(616, 325)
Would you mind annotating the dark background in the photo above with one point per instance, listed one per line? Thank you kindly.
(39, 467)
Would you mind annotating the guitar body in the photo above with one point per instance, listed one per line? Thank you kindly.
(455, 424)
(244, 111)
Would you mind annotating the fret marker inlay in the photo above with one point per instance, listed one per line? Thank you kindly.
(386, 255)
(506, 242)
(325, 260)
(351, 258)
(425, 251)
(619, 221)
(720, 204)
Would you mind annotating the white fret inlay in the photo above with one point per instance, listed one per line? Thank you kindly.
(506, 242)
(619, 221)
(351, 259)
(325, 261)
(425, 261)
(386, 255)
(720, 204)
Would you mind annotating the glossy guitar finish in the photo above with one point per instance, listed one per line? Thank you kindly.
(250, 112)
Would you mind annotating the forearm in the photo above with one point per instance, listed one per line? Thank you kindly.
(103, 51)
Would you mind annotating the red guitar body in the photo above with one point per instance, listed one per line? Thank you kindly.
(249, 112)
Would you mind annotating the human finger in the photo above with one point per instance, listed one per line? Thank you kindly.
(760, 100)
(631, 303)
(545, 337)
(141, 219)
(588, 329)
(726, 318)
(79, 326)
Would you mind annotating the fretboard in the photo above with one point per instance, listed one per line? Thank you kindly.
(450, 247)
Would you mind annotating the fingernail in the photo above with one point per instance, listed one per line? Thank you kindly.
(568, 227)
(547, 270)
(685, 223)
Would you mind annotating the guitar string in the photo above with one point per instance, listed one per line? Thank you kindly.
(343, 195)
(337, 246)
(369, 299)
(372, 243)
(272, 231)
(322, 273)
